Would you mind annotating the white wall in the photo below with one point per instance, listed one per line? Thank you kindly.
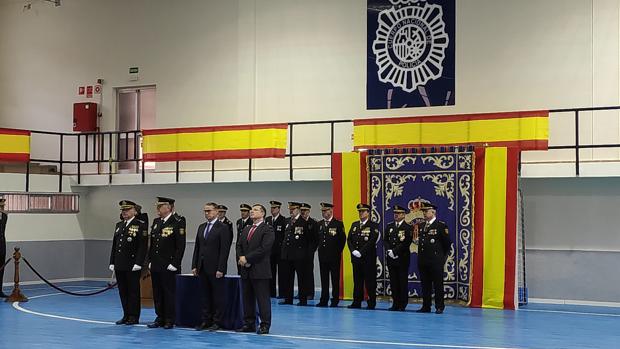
(244, 61)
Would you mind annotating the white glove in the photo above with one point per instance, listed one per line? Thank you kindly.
(171, 267)
(356, 253)
(111, 267)
(136, 267)
(149, 265)
(391, 254)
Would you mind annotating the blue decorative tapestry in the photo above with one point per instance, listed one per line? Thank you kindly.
(405, 177)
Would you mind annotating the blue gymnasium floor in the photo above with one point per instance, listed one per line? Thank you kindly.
(53, 320)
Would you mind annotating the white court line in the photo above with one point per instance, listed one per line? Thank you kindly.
(317, 339)
(570, 312)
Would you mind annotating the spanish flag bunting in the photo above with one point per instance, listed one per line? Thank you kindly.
(211, 143)
(14, 145)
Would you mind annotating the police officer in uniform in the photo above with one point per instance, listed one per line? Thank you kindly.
(331, 243)
(3, 219)
(296, 248)
(129, 247)
(277, 223)
(166, 254)
(362, 240)
(433, 249)
(245, 220)
(221, 215)
(143, 216)
(397, 239)
(314, 233)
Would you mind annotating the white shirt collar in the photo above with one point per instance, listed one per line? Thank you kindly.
(167, 217)
(273, 218)
(257, 224)
(129, 221)
(297, 217)
(363, 222)
(432, 221)
(213, 221)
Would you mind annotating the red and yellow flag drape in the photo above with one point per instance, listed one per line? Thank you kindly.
(349, 187)
(213, 143)
(523, 130)
(14, 145)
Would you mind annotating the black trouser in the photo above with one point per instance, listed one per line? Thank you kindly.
(431, 276)
(164, 295)
(2, 260)
(276, 278)
(212, 298)
(330, 270)
(288, 270)
(365, 273)
(310, 277)
(129, 291)
(256, 291)
(399, 284)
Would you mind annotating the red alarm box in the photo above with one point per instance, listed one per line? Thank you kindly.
(85, 117)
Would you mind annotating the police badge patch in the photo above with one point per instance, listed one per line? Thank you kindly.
(410, 53)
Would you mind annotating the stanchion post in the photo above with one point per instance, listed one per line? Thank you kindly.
(16, 295)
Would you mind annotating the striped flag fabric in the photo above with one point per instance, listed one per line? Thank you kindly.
(14, 145)
(213, 143)
(349, 187)
(524, 130)
(495, 228)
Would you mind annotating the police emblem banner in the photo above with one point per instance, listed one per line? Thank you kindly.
(410, 53)
(405, 177)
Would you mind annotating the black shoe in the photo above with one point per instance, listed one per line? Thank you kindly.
(263, 330)
(393, 308)
(401, 309)
(333, 304)
(286, 302)
(154, 324)
(132, 321)
(302, 303)
(423, 310)
(354, 306)
(203, 326)
(246, 328)
(370, 307)
(3, 295)
(439, 311)
(214, 327)
(168, 325)
(121, 321)
(321, 304)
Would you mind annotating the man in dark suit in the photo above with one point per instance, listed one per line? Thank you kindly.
(143, 216)
(166, 254)
(210, 259)
(331, 243)
(296, 248)
(433, 250)
(278, 224)
(3, 219)
(314, 232)
(254, 248)
(129, 247)
(362, 240)
(221, 215)
(396, 241)
(245, 220)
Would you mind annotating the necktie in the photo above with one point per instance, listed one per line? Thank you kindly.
(251, 232)
(207, 229)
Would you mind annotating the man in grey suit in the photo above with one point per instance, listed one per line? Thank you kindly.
(254, 249)
(210, 259)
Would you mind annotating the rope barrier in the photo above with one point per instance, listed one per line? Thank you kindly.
(109, 287)
(5, 264)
